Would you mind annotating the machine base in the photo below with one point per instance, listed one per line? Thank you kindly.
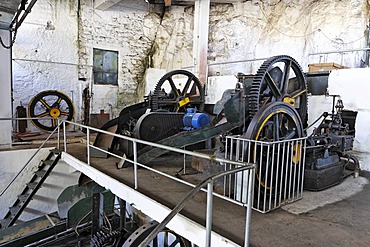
(316, 180)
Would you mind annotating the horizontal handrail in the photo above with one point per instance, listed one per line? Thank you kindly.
(187, 198)
(178, 150)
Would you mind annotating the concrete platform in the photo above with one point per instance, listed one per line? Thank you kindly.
(327, 220)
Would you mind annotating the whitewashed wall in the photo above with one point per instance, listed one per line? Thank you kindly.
(45, 57)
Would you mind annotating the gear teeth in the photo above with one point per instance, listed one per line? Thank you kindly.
(255, 91)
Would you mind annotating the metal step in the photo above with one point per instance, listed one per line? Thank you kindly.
(40, 173)
(56, 151)
(14, 210)
(32, 185)
(4, 223)
(47, 162)
(23, 198)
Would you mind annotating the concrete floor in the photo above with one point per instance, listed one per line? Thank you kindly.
(335, 217)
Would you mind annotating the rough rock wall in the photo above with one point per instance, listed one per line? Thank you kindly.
(129, 28)
(260, 29)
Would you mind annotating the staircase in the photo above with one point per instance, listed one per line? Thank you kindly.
(34, 184)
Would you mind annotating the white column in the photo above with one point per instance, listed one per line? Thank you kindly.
(6, 88)
(200, 45)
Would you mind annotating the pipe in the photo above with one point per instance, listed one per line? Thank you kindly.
(354, 160)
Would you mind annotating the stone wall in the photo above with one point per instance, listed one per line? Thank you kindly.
(129, 28)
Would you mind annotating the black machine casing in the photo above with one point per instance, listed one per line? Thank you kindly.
(324, 165)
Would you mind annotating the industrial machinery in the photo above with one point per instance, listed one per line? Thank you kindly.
(327, 161)
(45, 107)
(268, 106)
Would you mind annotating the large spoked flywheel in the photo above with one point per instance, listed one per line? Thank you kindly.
(281, 79)
(49, 105)
(164, 238)
(275, 121)
(176, 91)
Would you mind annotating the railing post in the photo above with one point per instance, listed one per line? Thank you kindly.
(209, 213)
(135, 162)
(249, 206)
(64, 136)
(88, 145)
(58, 144)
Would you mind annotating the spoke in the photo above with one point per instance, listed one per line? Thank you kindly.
(297, 93)
(53, 123)
(64, 113)
(173, 86)
(176, 108)
(57, 102)
(155, 241)
(45, 104)
(165, 244)
(166, 102)
(276, 127)
(174, 243)
(45, 114)
(187, 85)
(285, 77)
(273, 86)
(290, 135)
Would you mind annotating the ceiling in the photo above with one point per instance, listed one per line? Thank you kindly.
(8, 8)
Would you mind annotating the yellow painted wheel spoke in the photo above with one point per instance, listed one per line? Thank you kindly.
(45, 114)
(44, 103)
(58, 100)
(298, 93)
(64, 113)
(53, 122)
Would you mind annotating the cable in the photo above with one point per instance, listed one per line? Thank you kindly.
(11, 42)
(340, 43)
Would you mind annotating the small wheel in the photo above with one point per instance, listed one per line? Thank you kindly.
(188, 94)
(280, 79)
(276, 121)
(164, 238)
(49, 105)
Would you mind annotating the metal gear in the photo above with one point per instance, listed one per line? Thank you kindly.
(280, 78)
(178, 99)
(49, 105)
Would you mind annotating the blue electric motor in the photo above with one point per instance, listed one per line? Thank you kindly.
(193, 120)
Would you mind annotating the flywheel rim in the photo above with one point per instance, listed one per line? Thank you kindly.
(265, 118)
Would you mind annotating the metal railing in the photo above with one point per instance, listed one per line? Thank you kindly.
(279, 170)
(57, 129)
(209, 182)
(246, 168)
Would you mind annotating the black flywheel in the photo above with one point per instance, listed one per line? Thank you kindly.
(176, 91)
(47, 107)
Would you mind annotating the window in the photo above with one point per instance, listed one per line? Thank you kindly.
(105, 67)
